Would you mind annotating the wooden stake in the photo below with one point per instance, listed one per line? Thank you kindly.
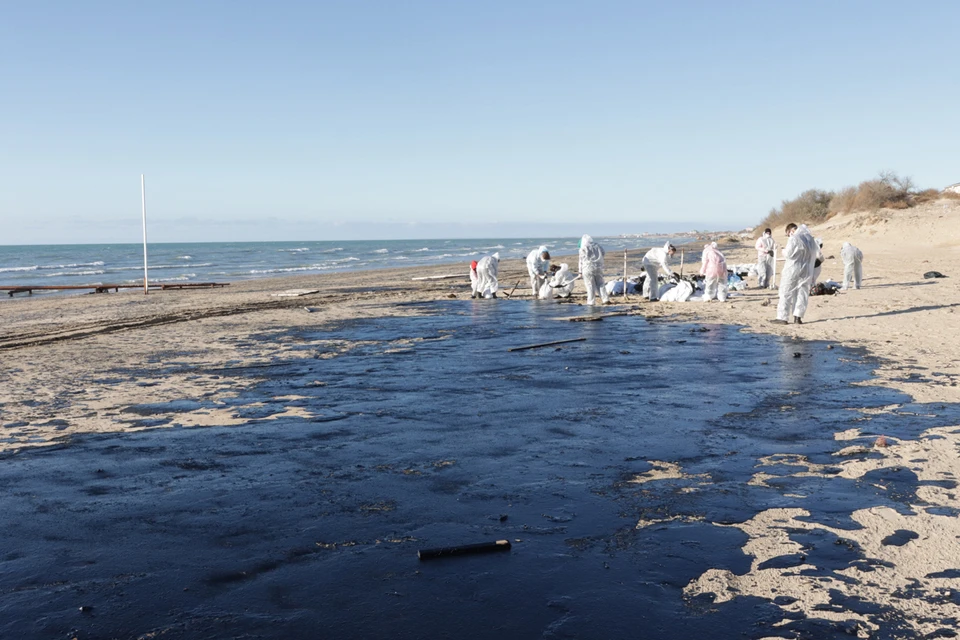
(514, 288)
(773, 282)
(624, 275)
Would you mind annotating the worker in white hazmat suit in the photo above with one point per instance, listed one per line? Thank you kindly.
(852, 265)
(486, 285)
(654, 261)
(538, 266)
(591, 268)
(765, 259)
(796, 280)
(560, 285)
(714, 271)
(818, 263)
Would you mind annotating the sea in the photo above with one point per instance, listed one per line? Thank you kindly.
(122, 264)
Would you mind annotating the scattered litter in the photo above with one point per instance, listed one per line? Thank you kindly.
(295, 293)
(881, 442)
(797, 354)
(466, 549)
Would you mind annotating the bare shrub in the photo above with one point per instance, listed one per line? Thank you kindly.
(842, 201)
(887, 191)
(929, 195)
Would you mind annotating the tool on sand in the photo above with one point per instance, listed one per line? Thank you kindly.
(514, 288)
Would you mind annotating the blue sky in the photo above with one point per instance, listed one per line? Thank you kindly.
(341, 120)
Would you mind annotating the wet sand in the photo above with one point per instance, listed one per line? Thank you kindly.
(76, 365)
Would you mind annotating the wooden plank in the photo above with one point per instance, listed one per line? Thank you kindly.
(546, 344)
(295, 293)
(444, 277)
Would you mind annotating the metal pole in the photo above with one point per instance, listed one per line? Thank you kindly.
(143, 201)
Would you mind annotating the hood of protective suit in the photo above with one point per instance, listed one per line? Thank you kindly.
(496, 256)
(543, 249)
(585, 240)
(666, 246)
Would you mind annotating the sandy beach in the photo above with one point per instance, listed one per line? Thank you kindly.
(60, 355)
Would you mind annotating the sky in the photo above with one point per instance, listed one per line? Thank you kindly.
(328, 120)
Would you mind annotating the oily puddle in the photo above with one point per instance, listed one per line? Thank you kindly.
(670, 480)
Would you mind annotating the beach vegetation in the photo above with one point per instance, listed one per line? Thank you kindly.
(888, 190)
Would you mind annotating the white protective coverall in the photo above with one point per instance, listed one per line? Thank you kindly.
(591, 268)
(655, 260)
(537, 267)
(818, 267)
(560, 285)
(714, 270)
(486, 284)
(852, 265)
(765, 260)
(796, 280)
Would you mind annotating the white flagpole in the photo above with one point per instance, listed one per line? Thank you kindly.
(143, 199)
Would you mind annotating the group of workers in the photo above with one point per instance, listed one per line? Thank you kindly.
(803, 257)
(802, 254)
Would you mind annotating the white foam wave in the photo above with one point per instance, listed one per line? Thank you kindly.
(300, 250)
(76, 265)
(335, 249)
(183, 278)
(10, 269)
(382, 251)
(74, 273)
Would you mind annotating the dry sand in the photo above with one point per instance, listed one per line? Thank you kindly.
(58, 352)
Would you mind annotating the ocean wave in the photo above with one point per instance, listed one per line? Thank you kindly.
(162, 266)
(300, 250)
(342, 260)
(74, 273)
(335, 249)
(76, 265)
(499, 246)
(382, 251)
(182, 278)
(312, 267)
(419, 250)
(184, 257)
(9, 269)
(402, 258)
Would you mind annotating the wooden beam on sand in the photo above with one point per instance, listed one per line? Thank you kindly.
(546, 344)
(443, 277)
(103, 288)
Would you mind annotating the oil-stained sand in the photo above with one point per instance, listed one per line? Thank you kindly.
(658, 480)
